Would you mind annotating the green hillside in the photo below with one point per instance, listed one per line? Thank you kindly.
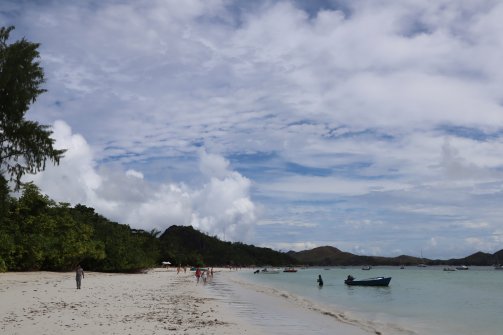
(188, 246)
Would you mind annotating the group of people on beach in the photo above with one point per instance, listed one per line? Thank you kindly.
(203, 274)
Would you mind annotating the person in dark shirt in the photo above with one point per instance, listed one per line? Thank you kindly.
(320, 281)
(79, 275)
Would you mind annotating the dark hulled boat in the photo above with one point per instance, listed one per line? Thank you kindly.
(377, 281)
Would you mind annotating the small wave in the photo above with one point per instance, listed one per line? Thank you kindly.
(342, 316)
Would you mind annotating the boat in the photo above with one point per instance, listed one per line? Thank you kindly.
(449, 269)
(269, 272)
(422, 264)
(290, 269)
(462, 267)
(366, 267)
(377, 281)
(497, 265)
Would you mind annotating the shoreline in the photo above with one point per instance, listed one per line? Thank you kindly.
(279, 312)
(158, 302)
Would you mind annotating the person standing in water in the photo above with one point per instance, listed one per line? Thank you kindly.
(79, 275)
(320, 281)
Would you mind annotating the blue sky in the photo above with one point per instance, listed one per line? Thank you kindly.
(371, 126)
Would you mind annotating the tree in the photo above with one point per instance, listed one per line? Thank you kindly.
(25, 146)
(39, 234)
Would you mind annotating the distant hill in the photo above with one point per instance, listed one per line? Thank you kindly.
(326, 255)
(478, 258)
(330, 256)
(188, 246)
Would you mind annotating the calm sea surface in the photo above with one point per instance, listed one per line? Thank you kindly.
(418, 300)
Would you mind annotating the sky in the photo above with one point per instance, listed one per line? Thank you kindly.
(372, 126)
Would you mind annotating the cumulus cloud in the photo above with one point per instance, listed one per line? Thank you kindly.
(75, 178)
(220, 206)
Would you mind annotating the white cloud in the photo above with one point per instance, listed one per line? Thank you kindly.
(213, 165)
(135, 174)
(75, 179)
(289, 223)
(221, 207)
(295, 246)
(329, 185)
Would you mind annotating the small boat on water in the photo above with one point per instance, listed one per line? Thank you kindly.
(449, 269)
(290, 269)
(366, 267)
(269, 272)
(377, 281)
(498, 267)
(462, 267)
(422, 264)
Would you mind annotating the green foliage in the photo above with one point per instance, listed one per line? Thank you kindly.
(25, 146)
(185, 245)
(7, 231)
(126, 250)
(74, 241)
(4, 199)
(39, 234)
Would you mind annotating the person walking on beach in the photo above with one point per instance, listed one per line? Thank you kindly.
(79, 275)
(198, 274)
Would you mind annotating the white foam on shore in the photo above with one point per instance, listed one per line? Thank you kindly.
(282, 312)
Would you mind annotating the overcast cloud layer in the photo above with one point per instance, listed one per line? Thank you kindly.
(372, 126)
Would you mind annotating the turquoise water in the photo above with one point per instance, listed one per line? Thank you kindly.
(418, 300)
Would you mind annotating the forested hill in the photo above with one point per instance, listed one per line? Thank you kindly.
(327, 256)
(186, 245)
(36, 233)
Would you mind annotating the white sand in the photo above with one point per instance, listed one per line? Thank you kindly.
(159, 302)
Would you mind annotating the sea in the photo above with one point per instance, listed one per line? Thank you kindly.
(417, 301)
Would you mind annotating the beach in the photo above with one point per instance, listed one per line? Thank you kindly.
(157, 302)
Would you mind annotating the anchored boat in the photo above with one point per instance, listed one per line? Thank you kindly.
(377, 281)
